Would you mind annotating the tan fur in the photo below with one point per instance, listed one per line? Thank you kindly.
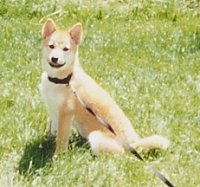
(64, 107)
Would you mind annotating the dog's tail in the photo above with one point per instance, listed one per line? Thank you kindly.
(151, 142)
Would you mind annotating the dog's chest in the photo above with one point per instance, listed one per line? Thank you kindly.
(54, 95)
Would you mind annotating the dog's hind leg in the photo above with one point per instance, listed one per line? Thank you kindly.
(152, 142)
(101, 142)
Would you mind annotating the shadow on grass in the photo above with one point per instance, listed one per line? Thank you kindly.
(36, 155)
(39, 152)
(153, 154)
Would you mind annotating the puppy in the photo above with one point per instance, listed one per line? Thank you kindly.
(73, 98)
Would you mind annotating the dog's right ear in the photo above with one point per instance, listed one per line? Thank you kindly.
(48, 28)
(76, 33)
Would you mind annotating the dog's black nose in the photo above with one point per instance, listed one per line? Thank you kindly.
(54, 60)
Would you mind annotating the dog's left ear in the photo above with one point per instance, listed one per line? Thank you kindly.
(48, 28)
(76, 33)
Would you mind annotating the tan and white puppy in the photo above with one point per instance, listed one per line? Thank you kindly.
(61, 67)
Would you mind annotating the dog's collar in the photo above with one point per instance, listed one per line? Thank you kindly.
(66, 80)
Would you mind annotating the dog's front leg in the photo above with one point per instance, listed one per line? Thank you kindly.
(52, 127)
(64, 125)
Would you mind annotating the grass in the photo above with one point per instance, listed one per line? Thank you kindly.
(145, 53)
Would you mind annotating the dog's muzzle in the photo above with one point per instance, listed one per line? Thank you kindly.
(54, 63)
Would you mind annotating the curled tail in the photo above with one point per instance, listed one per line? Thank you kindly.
(154, 141)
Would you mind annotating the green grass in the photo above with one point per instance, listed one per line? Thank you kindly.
(146, 54)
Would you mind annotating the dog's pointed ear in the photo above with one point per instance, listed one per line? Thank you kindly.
(48, 28)
(76, 33)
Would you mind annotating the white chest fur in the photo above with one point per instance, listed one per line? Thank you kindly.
(55, 96)
(50, 93)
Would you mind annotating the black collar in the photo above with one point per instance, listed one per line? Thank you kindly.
(66, 80)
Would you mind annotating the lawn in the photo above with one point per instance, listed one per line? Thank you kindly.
(146, 54)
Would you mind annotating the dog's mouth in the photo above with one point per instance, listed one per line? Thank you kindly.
(56, 65)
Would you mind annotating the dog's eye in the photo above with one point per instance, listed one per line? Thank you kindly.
(65, 49)
(51, 46)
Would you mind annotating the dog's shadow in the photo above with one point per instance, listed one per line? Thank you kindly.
(39, 152)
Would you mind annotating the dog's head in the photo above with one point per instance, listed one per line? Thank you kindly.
(59, 46)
